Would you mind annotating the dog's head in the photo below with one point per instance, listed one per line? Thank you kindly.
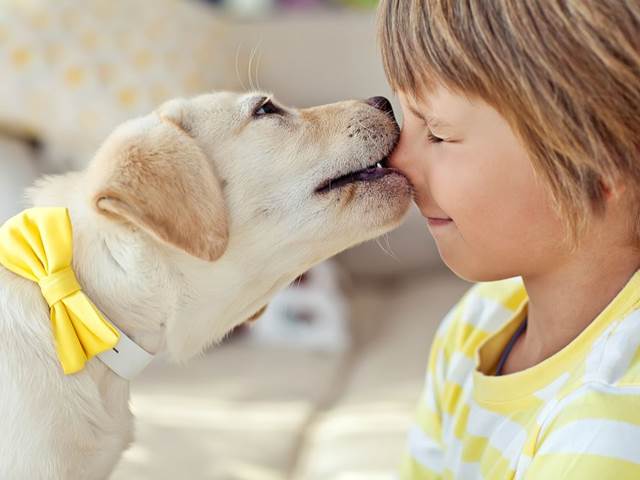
(247, 183)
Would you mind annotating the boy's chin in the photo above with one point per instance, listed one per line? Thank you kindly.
(474, 270)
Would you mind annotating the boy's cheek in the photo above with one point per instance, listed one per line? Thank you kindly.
(446, 190)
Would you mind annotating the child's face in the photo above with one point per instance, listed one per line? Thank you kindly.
(490, 217)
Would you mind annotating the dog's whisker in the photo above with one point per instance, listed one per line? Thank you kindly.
(257, 59)
(238, 67)
(258, 70)
(252, 57)
(382, 248)
(249, 66)
(388, 242)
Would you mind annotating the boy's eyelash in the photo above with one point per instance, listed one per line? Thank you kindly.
(433, 139)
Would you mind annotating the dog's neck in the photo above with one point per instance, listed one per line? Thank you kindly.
(121, 272)
(161, 298)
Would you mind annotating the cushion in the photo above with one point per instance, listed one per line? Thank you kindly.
(74, 69)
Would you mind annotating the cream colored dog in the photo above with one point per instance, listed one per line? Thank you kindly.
(186, 223)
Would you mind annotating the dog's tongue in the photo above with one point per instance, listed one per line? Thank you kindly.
(370, 174)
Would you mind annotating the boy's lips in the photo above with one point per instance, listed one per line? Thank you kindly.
(433, 219)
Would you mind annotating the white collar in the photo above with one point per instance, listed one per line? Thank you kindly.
(127, 359)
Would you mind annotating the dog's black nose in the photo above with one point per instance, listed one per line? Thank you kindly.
(381, 103)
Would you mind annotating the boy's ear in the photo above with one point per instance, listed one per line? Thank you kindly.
(152, 174)
(612, 189)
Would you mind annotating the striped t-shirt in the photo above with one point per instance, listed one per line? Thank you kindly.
(576, 415)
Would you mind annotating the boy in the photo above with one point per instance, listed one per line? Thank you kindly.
(521, 137)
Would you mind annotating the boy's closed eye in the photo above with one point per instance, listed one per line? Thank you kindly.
(433, 125)
(432, 138)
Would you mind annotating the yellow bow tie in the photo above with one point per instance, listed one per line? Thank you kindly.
(37, 245)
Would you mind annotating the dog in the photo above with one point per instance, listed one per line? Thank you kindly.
(185, 223)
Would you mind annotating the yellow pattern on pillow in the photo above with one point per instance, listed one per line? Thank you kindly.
(74, 69)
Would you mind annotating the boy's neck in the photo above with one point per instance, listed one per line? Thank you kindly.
(565, 300)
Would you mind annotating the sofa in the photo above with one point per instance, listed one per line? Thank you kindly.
(245, 412)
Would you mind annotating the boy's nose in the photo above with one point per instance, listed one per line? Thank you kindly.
(400, 159)
(381, 103)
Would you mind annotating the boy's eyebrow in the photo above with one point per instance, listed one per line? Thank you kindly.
(429, 120)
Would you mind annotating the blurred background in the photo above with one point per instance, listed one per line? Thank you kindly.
(324, 385)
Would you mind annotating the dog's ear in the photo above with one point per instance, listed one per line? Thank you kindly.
(152, 174)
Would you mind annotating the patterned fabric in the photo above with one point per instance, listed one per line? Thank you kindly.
(72, 70)
(576, 415)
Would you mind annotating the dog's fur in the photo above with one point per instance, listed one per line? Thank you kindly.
(185, 223)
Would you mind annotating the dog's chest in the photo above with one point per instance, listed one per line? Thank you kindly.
(80, 421)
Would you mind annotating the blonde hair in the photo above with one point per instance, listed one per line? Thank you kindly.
(564, 73)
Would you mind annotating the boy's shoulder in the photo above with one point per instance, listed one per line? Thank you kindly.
(488, 305)
(508, 293)
(484, 309)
